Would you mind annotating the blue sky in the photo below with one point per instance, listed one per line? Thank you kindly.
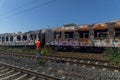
(26, 15)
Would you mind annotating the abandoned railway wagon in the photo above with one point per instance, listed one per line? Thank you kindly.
(93, 37)
(22, 39)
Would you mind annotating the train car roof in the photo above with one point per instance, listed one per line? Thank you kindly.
(100, 27)
(83, 28)
(117, 25)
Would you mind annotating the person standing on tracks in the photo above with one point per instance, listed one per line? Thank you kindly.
(38, 50)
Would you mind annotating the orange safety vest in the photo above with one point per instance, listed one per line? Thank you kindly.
(38, 45)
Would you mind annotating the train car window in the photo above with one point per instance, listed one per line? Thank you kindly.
(69, 34)
(11, 38)
(86, 35)
(83, 34)
(31, 37)
(6, 38)
(25, 37)
(18, 37)
(3, 39)
(103, 35)
(100, 34)
(117, 32)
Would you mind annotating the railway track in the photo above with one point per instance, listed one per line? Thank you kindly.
(94, 63)
(11, 72)
(99, 64)
(64, 68)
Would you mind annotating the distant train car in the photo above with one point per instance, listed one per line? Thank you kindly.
(19, 39)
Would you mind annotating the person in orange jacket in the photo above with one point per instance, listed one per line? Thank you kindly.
(38, 49)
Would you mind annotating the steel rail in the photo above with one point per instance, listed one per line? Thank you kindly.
(37, 74)
(74, 61)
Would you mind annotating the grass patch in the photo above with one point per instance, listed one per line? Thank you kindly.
(113, 54)
(47, 51)
(44, 51)
(16, 49)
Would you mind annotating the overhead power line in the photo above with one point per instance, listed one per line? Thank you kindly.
(29, 9)
(17, 8)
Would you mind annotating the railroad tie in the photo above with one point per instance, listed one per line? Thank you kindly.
(2, 67)
(32, 78)
(4, 70)
(21, 77)
(7, 77)
(7, 73)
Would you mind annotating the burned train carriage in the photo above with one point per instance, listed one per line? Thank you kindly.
(85, 37)
(69, 37)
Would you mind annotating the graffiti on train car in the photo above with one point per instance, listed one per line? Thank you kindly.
(92, 35)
